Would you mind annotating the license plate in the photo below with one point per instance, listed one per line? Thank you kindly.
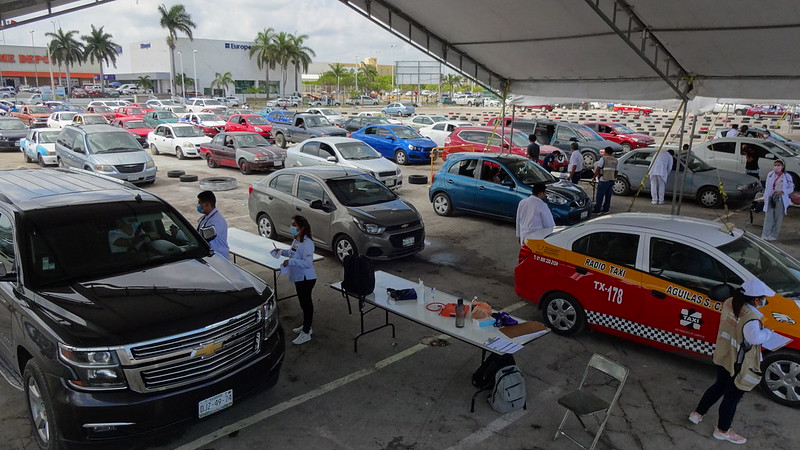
(215, 404)
(408, 242)
(278, 163)
(16, 144)
(584, 214)
(390, 183)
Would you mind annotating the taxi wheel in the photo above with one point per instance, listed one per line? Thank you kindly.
(563, 314)
(27, 158)
(709, 197)
(41, 161)
(442, 204)
(781, 379)
(621, 186)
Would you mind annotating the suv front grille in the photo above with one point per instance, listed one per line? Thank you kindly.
(387, 174)
(130, 168)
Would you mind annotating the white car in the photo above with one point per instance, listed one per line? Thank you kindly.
(40, 146)
(727, 153)
(424, 120)
(379, 114)
(334, 117)
(59, 119)
(439, 131)
(113, 104)
(177, 109)
(179, 139)
(345, 152)
(161, 104)
(278, 103)
(294, 100)
(199, 104)
(211, 124)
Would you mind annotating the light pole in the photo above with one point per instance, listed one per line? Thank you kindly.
(48, 47)
(183, 76)
(194, 61)
(394, 63)
(35, 66)
(355, 72)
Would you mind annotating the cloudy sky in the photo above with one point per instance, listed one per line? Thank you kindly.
(336, 33)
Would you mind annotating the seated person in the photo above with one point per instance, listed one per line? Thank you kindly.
(176, 235)
(127, 236)
(550, 161)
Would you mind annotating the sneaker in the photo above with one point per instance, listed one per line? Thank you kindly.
(653, 202)
(300, 330)
(301, 338)
(695, 418)
(729, 436)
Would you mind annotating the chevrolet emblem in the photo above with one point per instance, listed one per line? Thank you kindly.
(207, 349)
(405, 225)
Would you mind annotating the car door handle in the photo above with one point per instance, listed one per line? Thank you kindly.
(482, 188)
(298, 208)
(581, 270)
(450, 181)
(658, 294)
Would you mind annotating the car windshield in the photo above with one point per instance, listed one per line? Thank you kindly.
(207, 117)
(769, 264)
(48, 137)
(318, 121)
(40, 110)
(357, 150)
(213, 103)
(180, 110)
(406, 133)
(360, 191)
(166, 115)
(622, 129)
(135, 112)
(187, 131)
(698, 165)
(587, 133)
(257, 120)
(67, 116)
(94, 120)
(519, 139)
(115, 142)
(251, 140)
(102, 109)
(114, 238)
(131, 124)
(328, 112)
(529, 172)
(437, 118)
(779, 150)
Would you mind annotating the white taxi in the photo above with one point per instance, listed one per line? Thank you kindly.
(179, 139)
(660, 280)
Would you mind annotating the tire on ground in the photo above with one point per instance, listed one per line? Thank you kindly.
(175, 173)
(417, 179)
(218, 183)
(188, 178)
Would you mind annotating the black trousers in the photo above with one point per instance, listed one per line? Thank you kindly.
(304, 289)
(722, 388)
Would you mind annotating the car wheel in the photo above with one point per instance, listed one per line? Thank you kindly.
(344, 246)
(41, 413)
(740, 112)
(621, 186)
(543, 109)
(41, 161)
(244, 166)
(400, 157)
(781, 379)
(589, 158)
(583, 108)
(210, 161)
(442, 204)
(265, 226)
(563, 314)
(153, 149)
(60, 162)
(756, 116)
(280, 140)
(709, 197)
(27, 158)
(179, 153)
(626, 147)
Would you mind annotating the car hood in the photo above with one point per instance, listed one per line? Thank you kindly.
(151, 303)
(395, 212)
(643, 137)
(330, 130)
(131, 157)
(268, 150)
(420, 142)
(196, 140)
(729, 178)
(17, 134)
(603, 144)
(140, 131)
(568, 190)
(376, 165)
(213, 123)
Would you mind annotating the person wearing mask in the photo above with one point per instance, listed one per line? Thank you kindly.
(575, 166)
(605, 172)
(533, 214)
(533, 148)
(734, 131)
(737, 356)
(212, 219)
(776, 200)
(301, 272)
(659, 171)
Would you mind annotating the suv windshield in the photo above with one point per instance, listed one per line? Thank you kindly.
(406, 133)
(357, 150)
(189, 131)
(777, 269)
(529, 172)
(90, 241)
(360, 191)
(12, 124)
(113, 142)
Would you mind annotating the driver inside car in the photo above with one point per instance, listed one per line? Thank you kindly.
(127, 236)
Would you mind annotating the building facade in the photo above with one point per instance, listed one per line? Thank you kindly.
(22, 65)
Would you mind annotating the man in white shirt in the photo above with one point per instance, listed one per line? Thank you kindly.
(734, 131)
(533, 214)
(659, 171)
(575, 166)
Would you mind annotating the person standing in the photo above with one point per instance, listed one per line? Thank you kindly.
(605, 172)
(533, 148)
(533, 214)
(659, 171)
(776, 200)
(734, 131)
(737, 356)
(751, 161)
(212, 219)
(301, 272)
(575, 163)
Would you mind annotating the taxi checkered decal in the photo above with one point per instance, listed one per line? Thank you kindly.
(653, 334)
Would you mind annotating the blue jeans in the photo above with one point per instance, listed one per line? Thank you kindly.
(603, 196)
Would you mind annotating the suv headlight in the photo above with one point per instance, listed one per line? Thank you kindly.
(150, 164)
(103, 168)
(555, 199)
(269, 312)
(95, 368)
(369, 228)
(258, 129)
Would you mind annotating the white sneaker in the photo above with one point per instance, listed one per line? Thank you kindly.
(301, 338)
(695, 418)
(300, 330)
(729, 436)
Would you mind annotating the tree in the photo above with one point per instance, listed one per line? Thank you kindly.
(368, 74)
(99, 47)
(182, 80)
(300, 56)
(174, 20)
(265, 53)
(65, 49)
(283, 55)
(222, 80)
(339, 72)
(144, 82)
(451, 80)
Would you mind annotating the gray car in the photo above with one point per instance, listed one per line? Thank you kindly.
(349, 211)
(701, 182)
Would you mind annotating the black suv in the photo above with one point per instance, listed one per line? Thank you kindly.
(116, 317)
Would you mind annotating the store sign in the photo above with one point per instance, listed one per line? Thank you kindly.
(233, 46)
(144, 46)
(24, 59)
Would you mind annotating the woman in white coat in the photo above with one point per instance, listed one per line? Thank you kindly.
(659, 172)
(776, 200)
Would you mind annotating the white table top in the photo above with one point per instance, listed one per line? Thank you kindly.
(410, 309)
(256, 248)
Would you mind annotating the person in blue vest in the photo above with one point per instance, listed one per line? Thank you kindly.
(212, 219)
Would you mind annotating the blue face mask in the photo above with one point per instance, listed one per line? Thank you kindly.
(293, 230)
(199, 208)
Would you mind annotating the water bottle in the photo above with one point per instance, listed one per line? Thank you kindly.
(461, 313)
(421, 293)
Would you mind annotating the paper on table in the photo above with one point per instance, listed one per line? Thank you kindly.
(775, 342)
(502, 345)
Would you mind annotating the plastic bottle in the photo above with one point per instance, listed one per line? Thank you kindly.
(421, 292)
(461, 313)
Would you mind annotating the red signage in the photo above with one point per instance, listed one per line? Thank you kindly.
(24, 59)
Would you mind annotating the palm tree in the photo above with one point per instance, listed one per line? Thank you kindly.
(222, 80)
(339, 71)
(65, 49)
(144, 82)
(300, 56)
(183, 80)
(264, 51)
(452, 80)
(283, 55)
(369, 74)
(99, 47)
(174, 20)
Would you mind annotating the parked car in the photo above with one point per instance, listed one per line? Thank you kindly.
(638, 111)
(399, 109)
(180, 139)
(33, 116)
(198, 104)
(759, 133)
(155, 118)
(242, 149)
(89, 119)
(493, 185)
(233, 111)
(104, 111)
(254, 123)
(208, 122)
(40, 146)
(726, 153)
(279, 102)
(157, 104)
(102, 350)
(11, 131)
(58, 106)
(540, 108)
(345, 152)
(181, 110)
(356, 123)
(305, 126)
(581, 106)
(265, 110)
(349, 211)
(398, 142)
(424, 120)
(105, 150)
(60, 119)
(135, 126)
(485, 139)
(281, 116)
(661, 280)
(736, 108)
(129, 111)
(702, 182)
(439, 131)
(229, 101)
(113, 104)
(489, 102)
(622, 135)
(333, 117)
(760, 111)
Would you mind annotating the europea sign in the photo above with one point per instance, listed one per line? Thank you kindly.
(24, 59)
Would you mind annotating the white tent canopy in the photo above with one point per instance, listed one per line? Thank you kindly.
(634, 50)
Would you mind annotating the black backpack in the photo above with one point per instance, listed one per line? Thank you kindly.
(359, 276)
(484, 377)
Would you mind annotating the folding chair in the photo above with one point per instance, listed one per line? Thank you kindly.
(583, 403)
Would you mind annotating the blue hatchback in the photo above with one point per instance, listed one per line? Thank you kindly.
(493, 185)
(398, 142)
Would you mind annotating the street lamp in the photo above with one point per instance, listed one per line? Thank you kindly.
(356, 74)
(194, 61)
(394, 63)
(35, 67)
(183, 76)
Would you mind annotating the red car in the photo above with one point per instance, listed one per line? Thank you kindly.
(254, 123)
(542, 108)
(484, 139)
(622, 135)
(104, 111)
(135, 126)
(143, 106)
(759, 111)
(631, 109)
(129, 111)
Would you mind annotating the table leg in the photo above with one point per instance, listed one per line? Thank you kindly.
(363, 312)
